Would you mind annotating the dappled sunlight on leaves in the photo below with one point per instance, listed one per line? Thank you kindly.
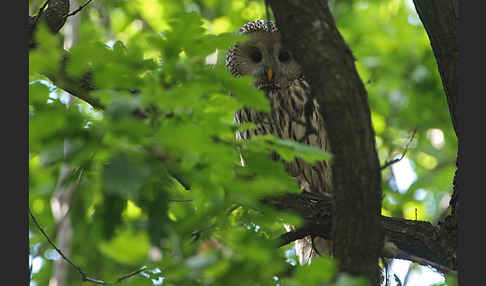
(171, 177)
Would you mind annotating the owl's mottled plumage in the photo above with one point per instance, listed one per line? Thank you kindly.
(294, 112)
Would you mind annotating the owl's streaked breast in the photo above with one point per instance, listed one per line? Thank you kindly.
(294, 115)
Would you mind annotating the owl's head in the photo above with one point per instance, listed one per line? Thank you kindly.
(263, 57)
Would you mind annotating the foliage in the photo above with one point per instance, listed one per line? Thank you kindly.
(405, 92)
(132, 202)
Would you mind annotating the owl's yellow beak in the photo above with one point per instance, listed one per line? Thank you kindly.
(269, 74)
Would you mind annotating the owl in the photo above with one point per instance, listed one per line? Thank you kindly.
(294, 113)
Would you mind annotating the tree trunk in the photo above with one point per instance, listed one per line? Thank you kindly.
(309, 32)
(440, 19)
(61, 200)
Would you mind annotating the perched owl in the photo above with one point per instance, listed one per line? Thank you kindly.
(294, 112)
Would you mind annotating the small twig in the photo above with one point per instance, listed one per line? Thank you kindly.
(387, 271)
(77, 10)
(130, 274)
(397, 280)
(178, 178)
(30, 270)
(55, 247)
(389, 163)
(42, 8)
(407, 275)
(181, 201)
(41, 11)
(233, 208)
(44, 244)
(84, 276)
(314, 248)
(197, 233)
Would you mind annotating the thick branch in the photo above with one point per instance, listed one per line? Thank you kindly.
(78, 87)
(309, 32)
(418, 241)
(55, 16)
(440, 19)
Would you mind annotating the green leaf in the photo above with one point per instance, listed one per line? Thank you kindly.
(46, 57)
(116, 248)
(123, 176)
(241, 88)
(185, 28)
(119, 49)
(451, 280)
(207, 44)
(51, 123)
(83, 56)
(109, 215)
(38, 94)
(320, 272)
(290, 149)
(154, 201)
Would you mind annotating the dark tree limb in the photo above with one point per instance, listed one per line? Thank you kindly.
(82, 87)
(341, 93)
(309, 32)
(79, 87)
(55, 14)
(413, 240)
(440, 19)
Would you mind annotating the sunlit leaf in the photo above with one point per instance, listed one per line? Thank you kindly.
(117, 248)
(290, 149)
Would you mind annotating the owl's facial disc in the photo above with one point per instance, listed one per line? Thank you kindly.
(274, 73)
(263, 57)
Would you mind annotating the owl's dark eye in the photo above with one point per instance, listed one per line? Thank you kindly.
(284, 56)
(256, 56)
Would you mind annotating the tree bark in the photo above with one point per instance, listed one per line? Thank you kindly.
(418, 241)
(60, 205)
(440, 19)
(309, 32)
(54, 16)
(62, 197)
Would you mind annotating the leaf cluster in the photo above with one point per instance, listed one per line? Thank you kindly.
(167, 190)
